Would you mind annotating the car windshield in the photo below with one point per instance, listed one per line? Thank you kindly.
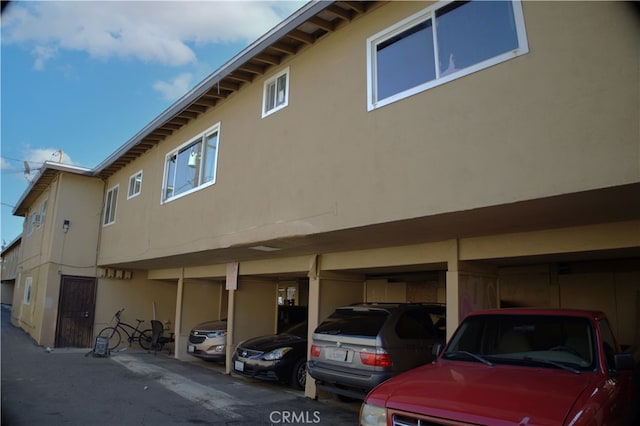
(552, 341)
(354, 322)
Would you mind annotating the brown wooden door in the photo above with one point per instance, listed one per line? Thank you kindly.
(76, 309)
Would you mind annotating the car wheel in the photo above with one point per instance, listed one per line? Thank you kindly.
(299, 374)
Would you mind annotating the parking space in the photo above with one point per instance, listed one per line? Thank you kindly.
(465, 275)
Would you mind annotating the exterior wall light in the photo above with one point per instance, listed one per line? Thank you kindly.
(65, 225)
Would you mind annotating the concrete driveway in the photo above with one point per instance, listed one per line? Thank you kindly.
(134, 387)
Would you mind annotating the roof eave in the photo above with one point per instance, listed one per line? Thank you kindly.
(48, 167)
(296, 19)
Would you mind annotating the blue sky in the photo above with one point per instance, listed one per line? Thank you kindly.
(83, 77)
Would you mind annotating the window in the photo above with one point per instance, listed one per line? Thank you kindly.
(191, 166)
(36, 218)
(43, 212)
(439, 44)
(415, 324)
(354, 322)
(110, 205)
(276, 93)
(27, 290)
(34, 221)
(135, 185)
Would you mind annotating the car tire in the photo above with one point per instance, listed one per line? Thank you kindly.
(299, 374)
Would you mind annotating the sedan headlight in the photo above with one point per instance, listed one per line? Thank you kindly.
(276, 354)
(373, 415)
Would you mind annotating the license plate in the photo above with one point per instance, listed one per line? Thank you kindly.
(239, 365)
(191, 349)
(337, 354)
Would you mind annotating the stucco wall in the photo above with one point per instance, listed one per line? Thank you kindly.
(204, 301)
(140, 298)
(256, 309)
(336, 292)
(560, 119)
(611, 287)
(49, 252)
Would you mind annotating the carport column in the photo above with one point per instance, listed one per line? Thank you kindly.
(178, 318)
(313, 313)
(231, 314)
(453, 289)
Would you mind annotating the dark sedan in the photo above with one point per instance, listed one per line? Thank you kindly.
(279, 357)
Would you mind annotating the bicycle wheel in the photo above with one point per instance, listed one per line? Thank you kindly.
(145, 339)
(113, 335)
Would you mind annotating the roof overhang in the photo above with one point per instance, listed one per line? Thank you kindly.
(11, 246)
(41, 182)
(303, 28)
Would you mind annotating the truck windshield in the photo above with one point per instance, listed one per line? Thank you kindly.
(547, 340)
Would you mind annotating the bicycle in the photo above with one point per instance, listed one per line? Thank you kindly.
(134, 334)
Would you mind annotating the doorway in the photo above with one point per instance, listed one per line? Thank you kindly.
(76, 310)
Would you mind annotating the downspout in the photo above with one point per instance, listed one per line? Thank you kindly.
(98, 244)
(54, 322)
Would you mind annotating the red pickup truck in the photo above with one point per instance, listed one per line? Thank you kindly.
(515, 367)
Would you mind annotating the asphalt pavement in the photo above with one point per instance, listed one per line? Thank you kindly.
(64, 386)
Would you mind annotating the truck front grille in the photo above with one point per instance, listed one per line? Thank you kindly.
(402, 418)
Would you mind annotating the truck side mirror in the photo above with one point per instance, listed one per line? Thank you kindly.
(437, 348)
(623, 361)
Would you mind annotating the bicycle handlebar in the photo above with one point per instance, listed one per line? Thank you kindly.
(117, 315)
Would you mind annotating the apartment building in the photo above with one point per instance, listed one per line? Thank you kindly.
(54, 293)
(481, 154)
(9, 259)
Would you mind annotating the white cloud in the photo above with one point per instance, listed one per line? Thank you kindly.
(42, 55)
(4, 164)
(151, 31)
(32, 160)
(174, 89)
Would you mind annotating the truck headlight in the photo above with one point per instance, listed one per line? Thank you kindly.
(373, 415)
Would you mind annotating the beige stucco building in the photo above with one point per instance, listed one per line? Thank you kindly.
(327, 159)
(9, 273)
(61, 206)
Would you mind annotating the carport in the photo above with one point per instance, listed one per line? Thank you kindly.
(594, 266)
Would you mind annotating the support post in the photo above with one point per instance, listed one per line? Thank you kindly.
(178, 319)
(313, 313)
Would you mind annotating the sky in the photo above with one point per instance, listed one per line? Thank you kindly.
(80, 78)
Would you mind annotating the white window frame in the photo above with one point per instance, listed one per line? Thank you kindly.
(273, 82)
(110, 205)
(416, 19)
(167, 182)
(135, 185)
